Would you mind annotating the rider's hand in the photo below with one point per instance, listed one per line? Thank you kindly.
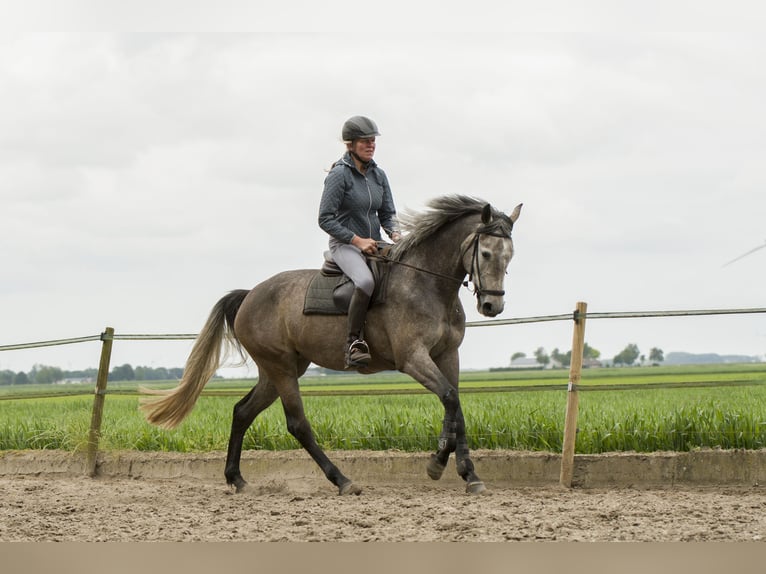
(365, 244)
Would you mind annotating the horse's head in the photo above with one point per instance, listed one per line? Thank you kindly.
(486, 255)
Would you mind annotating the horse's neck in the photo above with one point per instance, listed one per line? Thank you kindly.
(442, 252)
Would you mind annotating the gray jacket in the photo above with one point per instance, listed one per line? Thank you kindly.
(356, 204)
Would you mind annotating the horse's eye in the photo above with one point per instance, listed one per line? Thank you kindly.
(486, 254)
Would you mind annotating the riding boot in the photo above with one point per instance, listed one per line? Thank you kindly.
(357, 351)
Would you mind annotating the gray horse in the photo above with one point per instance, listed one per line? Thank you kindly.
(416, 331)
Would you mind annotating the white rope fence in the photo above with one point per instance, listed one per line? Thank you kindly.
(615, 315)
(487, 323)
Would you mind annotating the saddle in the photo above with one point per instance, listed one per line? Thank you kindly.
(330, 290)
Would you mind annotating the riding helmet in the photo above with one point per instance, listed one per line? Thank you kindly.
(359, 127)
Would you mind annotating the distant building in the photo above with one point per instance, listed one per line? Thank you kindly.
(75, 380)
(525, 363)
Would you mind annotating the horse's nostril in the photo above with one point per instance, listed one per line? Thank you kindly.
(487, 308)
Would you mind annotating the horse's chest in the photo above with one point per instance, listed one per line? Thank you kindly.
(451, 328)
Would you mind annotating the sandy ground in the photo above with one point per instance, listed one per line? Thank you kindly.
(125, 509)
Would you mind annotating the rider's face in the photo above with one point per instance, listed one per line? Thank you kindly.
(364, 148)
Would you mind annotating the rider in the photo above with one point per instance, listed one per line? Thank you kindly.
(356, 203)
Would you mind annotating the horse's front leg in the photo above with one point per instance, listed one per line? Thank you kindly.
(442, 379)
(463, 462)
(447, 445)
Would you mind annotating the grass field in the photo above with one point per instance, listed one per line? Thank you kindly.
(640, 409)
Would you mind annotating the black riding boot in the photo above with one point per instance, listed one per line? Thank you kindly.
(357, 351)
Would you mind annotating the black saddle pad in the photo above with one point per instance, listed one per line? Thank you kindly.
(319, 295)
(329, 295)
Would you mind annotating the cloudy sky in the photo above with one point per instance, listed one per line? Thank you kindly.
(144, 174)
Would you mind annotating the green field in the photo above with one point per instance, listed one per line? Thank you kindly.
(631, 409)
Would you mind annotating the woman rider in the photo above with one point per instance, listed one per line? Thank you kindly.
(356, 203)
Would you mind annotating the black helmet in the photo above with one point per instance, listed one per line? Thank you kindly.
(359, 127)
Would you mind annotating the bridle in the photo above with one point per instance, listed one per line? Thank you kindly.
(474, 275)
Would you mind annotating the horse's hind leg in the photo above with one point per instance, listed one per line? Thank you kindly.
(256, 401)
(298, 426)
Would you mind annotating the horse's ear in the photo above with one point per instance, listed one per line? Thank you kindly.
(486, 214)
(516, 213)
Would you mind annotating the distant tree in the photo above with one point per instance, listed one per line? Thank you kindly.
(45, 375)
(563, 359)
(82, 374)
(542, 357)
(628, 355)
(589, 352)
(122, 373)
(656, 355)
(518, 355)
(151, 374)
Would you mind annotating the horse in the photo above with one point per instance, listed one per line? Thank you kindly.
(417, 331)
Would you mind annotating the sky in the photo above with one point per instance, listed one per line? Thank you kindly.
(149, 165)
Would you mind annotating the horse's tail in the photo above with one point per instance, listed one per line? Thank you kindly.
(205, 357)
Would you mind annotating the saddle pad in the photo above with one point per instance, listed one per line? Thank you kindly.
(319, 299)
(319, 295)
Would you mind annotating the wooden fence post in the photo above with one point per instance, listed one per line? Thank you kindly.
(570, 424)
(98, 401)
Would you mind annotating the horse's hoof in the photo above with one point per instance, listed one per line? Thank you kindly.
(435, 469)
(238, 485)
(476, 487)
(349, 488)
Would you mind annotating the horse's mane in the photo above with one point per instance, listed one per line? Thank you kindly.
(442, 210)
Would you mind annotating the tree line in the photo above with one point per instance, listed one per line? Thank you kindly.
(45, 375)
(627, 357)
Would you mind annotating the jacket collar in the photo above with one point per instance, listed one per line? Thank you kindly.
(348, 159)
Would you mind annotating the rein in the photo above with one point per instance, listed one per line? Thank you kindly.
(387, 259)
(477, 290)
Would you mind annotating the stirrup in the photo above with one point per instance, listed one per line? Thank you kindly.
(358, 354)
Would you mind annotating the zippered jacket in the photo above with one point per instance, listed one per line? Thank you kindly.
(354, 203)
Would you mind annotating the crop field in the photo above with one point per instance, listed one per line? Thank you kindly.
(641, 409)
